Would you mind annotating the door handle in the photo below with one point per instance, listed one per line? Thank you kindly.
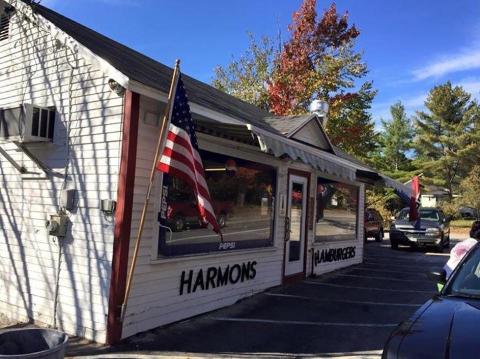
(287, 229)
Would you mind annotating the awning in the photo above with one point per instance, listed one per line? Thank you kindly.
(323, 161)
(280, 146)
(403, 191)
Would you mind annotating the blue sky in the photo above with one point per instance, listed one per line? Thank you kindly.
(409, 45)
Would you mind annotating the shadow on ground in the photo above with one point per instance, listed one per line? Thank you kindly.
(346, 313)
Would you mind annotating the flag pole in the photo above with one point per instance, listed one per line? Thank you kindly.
(160, 144)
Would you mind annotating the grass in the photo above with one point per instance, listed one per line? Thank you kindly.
(461, 223)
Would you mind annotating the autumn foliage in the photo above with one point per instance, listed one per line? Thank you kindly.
(318, 61)
(312, 63)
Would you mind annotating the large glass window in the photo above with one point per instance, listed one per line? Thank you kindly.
(337, 210)
(242, 193)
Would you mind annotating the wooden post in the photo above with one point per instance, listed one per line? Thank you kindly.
(160, 145)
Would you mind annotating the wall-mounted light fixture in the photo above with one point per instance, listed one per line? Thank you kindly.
(107, 206)
(116, 87)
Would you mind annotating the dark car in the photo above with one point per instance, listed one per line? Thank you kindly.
(432, 229)
(468, 213)
(448, 325)
(182, 212)
(373, 224)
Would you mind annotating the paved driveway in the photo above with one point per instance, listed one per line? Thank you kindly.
(347, 313)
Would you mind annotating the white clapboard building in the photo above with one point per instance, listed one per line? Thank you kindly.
(79, 119)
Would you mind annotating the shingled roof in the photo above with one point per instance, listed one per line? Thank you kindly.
(152, 73)
(287, 125)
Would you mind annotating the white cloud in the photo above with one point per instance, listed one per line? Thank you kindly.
(461, 61)
(411, 104)
(471, 85)
(416, 102)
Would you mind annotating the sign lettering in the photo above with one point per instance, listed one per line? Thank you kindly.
(164, 206)
(226, 245)
(213, 277)
(334, 255)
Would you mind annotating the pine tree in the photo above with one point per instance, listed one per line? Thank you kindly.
(447, 138)
(395, 143)
(396, 137)
(470, 189)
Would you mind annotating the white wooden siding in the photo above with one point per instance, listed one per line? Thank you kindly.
(33, 70)
(155, 298)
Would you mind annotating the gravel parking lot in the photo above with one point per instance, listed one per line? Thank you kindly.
(348, 313)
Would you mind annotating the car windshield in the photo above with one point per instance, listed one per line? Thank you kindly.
(466, 282)
(425, 214)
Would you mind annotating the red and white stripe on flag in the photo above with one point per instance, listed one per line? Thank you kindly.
(182, 160)
(180, 157)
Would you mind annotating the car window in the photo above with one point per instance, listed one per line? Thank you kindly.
(429, 214)
(425, 214)
(467, 278)
(403, 214)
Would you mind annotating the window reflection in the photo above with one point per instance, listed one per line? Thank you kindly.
(242, 193)
(337, 210)
(296, 225)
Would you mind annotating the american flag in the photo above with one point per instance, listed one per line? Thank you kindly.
(180, 157)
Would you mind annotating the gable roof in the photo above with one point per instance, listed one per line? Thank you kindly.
(291, 126)
(288, 125)
(152, 73)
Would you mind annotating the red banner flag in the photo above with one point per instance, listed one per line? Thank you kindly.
(415, 198)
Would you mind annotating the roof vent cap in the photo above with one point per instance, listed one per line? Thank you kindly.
(320, 108)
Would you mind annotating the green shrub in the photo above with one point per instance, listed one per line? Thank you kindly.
(461, 223)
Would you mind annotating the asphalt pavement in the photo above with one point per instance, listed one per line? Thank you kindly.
(347, 313)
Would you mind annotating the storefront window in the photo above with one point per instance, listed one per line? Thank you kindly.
(337, 211)
(242, 193)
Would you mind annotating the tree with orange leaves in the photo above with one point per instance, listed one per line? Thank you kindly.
(317, 62)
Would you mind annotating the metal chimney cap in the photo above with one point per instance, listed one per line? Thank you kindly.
(319, 107)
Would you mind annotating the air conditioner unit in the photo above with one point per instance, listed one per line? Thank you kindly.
(27, 123)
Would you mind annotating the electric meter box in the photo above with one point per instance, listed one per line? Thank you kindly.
(57, 225)
(67, 199)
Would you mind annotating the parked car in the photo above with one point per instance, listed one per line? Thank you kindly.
(468, 213)
(432, 229)
(447, 326)
(373, 224)
(182, 212)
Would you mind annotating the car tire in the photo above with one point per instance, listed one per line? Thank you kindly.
(439, 247)
(393, 244)
(379, 236)
(178, 224)
(447, 242)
